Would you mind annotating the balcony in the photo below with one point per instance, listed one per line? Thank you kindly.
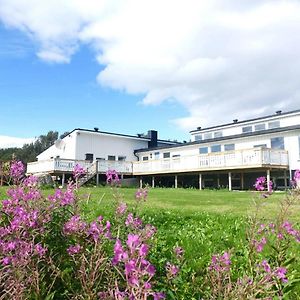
(239, 159)
(58, 165)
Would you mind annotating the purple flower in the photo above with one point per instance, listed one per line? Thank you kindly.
(74, 226)
(112, 177)
(6, 261)
(78, 171)
(143, 251)
(266, 266)
(17, 170)
(141, 194)
(74, 249)
(121, 209)
(158, 296)
(178, 252)
(40, 250)
(280, 273)
(172, 270)
(133, 240)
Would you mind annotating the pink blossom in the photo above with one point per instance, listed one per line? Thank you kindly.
(74, 249)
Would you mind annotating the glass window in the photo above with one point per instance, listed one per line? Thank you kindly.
(100, 158)
(277, 143)
(203, 150)
(207, 136)
(89, 156)
(247, 129)
(260, 146)
(259, 127)
(176, 155)
(121, 158)
(218, 134)
(215, 148)
(166, 155)
(145, 158)
(198, 137)
(111, 157)
(229, 147)
(274, 124)
(156, 155)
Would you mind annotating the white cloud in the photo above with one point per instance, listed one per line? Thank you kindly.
(11, 142)
(220, 59)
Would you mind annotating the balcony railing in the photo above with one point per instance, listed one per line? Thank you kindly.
(67, 165)
(239, 159)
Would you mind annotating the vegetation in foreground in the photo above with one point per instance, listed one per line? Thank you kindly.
(188, 252)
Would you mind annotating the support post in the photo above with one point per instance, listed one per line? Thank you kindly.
(218, 181)
(153, 182)
(229, 182)
(200, 181)
(63, 180)
(141, 182)
(97, 179)
(242, 181)
(176, 181)
(268, 180)
(285, 180)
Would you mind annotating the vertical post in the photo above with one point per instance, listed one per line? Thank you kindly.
(141, 182)
(242, 181)
(218, 181)
(63, 180)
(229, 181)
(122, 176)
(268, 180)
(200, 181)
(285, 180)
(176, 181)
(97, 179)
(153, 182)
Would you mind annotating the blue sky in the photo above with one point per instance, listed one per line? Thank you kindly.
(38, 96)
(132, 65)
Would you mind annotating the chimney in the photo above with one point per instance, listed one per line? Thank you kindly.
(152, 135)
(199, 128)
(96, 128)
(235, 120)
(278, 112)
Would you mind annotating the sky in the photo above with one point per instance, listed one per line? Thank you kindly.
(128, 66)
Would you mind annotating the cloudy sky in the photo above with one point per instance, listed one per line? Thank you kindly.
(132, 65)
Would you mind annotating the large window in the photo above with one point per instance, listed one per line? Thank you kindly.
(229, 147)
(247, 129)
(215, 148)
(274, 124)
(218, 134)
(121, 158)
(259, 127)
(198, 137)
(207, 136)
(166, 155)
(203, 150)
(277, 143)
(89, 156)
(111, 157)
(145, 158)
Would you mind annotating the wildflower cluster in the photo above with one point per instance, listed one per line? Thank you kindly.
(17, 170)
(261, 184)
(112, 177)
(78, 171)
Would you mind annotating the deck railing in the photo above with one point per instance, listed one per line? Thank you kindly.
(249, 158)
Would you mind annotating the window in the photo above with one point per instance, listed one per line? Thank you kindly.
(260, 146)
(218, 134)
(176, 155)
(89, 156)
(100, 158)
(259, 127)
(145, 158)
(156, 155)
(166, 155)
(215, 148)
(229, 147)
(121, 158)
(203, 150)
(277, 143)
(198, 137)
(111, 157)
(207, 136)
(274, 124)
(247, 129)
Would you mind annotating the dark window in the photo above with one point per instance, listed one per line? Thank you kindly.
(260, 146)
(215, 148)
(166, 155)
(145, 158)
(100, 158)
(176, 155)
(207, 136)
(121, 158)
(198, 137)
(247, 129)
(203, 150)
(274, 124)
(229, 147)
(218, 134)
(277, 143)
(89, 156)
(259, 127)
(111, 157)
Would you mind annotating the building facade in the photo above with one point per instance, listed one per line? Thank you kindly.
(231, 155)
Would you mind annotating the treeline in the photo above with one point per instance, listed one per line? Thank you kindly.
(30, 151)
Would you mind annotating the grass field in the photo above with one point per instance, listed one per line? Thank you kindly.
(202, 222)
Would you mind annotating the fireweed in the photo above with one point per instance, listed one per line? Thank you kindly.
(270, 255)
(48, 251)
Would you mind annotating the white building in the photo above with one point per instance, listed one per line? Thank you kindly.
(230, 155)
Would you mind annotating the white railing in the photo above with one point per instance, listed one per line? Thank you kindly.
(213, 161)
(67, 165)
